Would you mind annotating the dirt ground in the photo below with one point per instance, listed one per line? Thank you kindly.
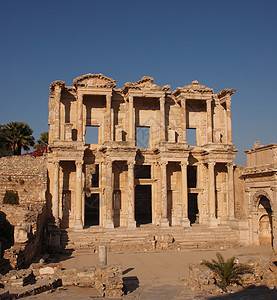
(158, 275)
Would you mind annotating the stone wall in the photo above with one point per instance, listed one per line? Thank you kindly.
(25, 174)
(28, 177)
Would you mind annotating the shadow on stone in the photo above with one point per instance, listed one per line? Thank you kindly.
(127, 271)
(252, 292)
(130, 284)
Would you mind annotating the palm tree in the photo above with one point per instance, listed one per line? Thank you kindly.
(17, 136)
(43, 141)
(227, 271)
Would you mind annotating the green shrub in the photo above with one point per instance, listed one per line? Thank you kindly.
(227, 271)
(11, 197)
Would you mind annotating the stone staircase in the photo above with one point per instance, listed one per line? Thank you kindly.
(148, 238)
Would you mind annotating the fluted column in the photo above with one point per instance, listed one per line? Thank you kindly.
(78, 196)
(162, 110)
(229, 121)
(131, 223)
(164, 221)
(209, 121)
(108, 117)
(55, 193)
(185, 220)
(132, 126)
(231, 204)
(212, 205)
(80, 134)
(184, 120)
(109, 222)
(58, 93)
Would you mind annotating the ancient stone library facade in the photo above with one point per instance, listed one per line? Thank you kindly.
(141, 169)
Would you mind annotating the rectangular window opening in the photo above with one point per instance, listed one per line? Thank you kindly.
(191, 136)
(92, 133)
(142, 137)
(142, 171)
(192, 176)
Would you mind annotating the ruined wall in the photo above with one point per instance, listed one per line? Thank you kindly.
(26, 175)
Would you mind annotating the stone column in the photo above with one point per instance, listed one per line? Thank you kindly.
(109, 222)
(184, 120)
(231, 203)
(108, 117)
(132, 125)
(162, 110)
(213, 220)
(80, 134)
(55, 193)
(209, 121)
(131, 223)
(78, 196)
(58, 93)
(164, 221)
(185, 220)
(229, 122)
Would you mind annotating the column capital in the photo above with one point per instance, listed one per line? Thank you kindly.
(211, 163)
(230, 164)
(131, 163)
(56, 163)
(184, 163)
(130, 98)
(108, 163)
(79, 163)
(163, 163)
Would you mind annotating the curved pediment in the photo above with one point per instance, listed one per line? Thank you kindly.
(146, 83)
(194, 87)
(57, 83)
(94, 81)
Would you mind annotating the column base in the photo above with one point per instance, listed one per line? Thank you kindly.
(185, 223)
(131, 224)
(78, 225)
(109, 224)
(164, 223)
(213, 222)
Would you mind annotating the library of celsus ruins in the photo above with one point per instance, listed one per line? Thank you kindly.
(141, 169)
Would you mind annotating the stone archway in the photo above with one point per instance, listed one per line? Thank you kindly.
(265, 221)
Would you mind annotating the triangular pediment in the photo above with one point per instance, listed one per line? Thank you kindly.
(146, 83)
(194, 87)
(94, 81)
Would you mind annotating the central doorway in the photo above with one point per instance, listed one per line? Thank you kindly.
(143, 206)
(92, 210)
(193, 208)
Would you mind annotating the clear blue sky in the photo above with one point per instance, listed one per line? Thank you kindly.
(222, 44)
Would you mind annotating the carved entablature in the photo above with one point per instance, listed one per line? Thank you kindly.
(94, 81)
(225, 92)
(57, 83)
(193, 88)
(146, 83)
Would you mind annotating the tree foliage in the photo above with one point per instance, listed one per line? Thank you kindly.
(227, 271)
(16, 136)
(43, 141)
